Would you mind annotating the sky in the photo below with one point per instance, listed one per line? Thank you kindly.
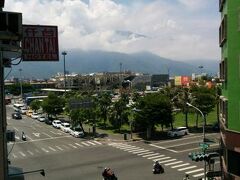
(176, 29)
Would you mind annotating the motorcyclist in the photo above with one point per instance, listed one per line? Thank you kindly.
(23, 136)
(186, 177)
(157, 167)
(108, 174)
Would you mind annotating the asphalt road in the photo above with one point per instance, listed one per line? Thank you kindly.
(64, 157)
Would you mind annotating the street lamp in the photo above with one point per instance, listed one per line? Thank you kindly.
(64, 53)
(204, 124)
(20, 70)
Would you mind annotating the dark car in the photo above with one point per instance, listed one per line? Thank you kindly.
(48, 121)
(16, 116)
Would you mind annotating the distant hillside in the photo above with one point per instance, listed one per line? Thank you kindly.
(98, 61)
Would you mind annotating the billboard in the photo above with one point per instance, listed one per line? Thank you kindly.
(40, 43)
(178, 81)
(185, 80)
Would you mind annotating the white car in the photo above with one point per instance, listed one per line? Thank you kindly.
(23, 110)
(179, 131)
(76, 132)
(65, 127)
(41, 118)
(56, 123)
(35, 115)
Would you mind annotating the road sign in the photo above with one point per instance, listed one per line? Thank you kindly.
(40, 43)
(203, 145)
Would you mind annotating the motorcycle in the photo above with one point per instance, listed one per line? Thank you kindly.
(24, 138)
(108, 174)
(158, 170)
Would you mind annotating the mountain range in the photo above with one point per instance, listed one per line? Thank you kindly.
(80, 61)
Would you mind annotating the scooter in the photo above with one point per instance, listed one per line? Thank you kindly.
(24, 138)
(158, 170)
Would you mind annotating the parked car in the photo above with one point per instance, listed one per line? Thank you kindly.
(65, 127)
(35, 115)
(179, 131)
(76, 132)
(48, 121)
(16, 115)
(41, 118)
(23, 110)
(29, 113)
(56, 123)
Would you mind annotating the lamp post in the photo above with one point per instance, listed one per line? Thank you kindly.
(204, 123)
(64, 53)
(21, 90)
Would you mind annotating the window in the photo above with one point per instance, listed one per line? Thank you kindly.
(223, 31)
(221, 4)
(233, 162)
(224, 110)
(223, 70)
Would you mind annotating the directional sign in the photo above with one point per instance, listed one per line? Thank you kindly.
(40, 43)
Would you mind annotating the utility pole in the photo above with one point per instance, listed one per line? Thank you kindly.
(21, 89)
(64, 53)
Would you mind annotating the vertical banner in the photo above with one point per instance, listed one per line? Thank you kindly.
(40, 43)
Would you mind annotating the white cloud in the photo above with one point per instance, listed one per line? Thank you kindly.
(172, 28)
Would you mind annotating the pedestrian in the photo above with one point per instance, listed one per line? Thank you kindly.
(186, 177)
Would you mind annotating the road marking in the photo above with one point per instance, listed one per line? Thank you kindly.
(28, 138)
(173, 140)
(148, 155)
(159, 159)
(30, 152)
(47, 134)
(45, 150)
(160, 147)
(18, 138)
(36, 134)
(97, 142)
(216, 144)
(156, 157)
(79, 145)
(176, 162)
(65, 146)
(189, 167)
(51, 148)
(143, 151)
(59, 148)
(150, 152)
(24, 155)
(56, 133)
(176, 145)
(197, 170)
(128, 148)
(186, 164)
(137, 150)
(72, 146)
(85, 144)
(37, 150)
(169, 160)
(15, 129)
(89, 142)
(197, 175)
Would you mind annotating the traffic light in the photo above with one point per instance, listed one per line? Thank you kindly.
(199, 156)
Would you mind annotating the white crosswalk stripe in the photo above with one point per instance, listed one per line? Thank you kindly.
(20, 152)
(14, 156)
(97, 142)
(197, 175)
(193, 171)
(176, 162)
(148, 155)
(30, 153)
(159, 159)
(45, 150)
(169, 160)
(79, 145)
(73, 146)
(143, 151)
(51, 148)
(138, 150)
(186, 164)
(189, 167)
(59, 148)
(91, 143)
(156, 157)
(85, 144)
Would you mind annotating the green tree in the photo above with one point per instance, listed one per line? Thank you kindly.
(53, 105)
(104, 103)
(152, 110)
(35, 105)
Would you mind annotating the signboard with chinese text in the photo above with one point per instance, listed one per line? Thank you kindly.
(40, 43)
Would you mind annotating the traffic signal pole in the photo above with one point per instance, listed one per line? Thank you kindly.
(3, 140)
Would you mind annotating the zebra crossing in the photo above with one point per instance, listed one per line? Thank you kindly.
(173, 163)
(52, 149)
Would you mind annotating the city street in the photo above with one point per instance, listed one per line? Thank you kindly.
(65, 157)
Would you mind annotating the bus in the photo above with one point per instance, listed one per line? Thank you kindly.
(17, 107)
(29, 99)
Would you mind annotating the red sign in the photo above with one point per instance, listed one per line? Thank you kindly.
(40, 43)
(185, 80)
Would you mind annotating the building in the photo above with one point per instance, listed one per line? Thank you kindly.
(159, 80)
(229, 38)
